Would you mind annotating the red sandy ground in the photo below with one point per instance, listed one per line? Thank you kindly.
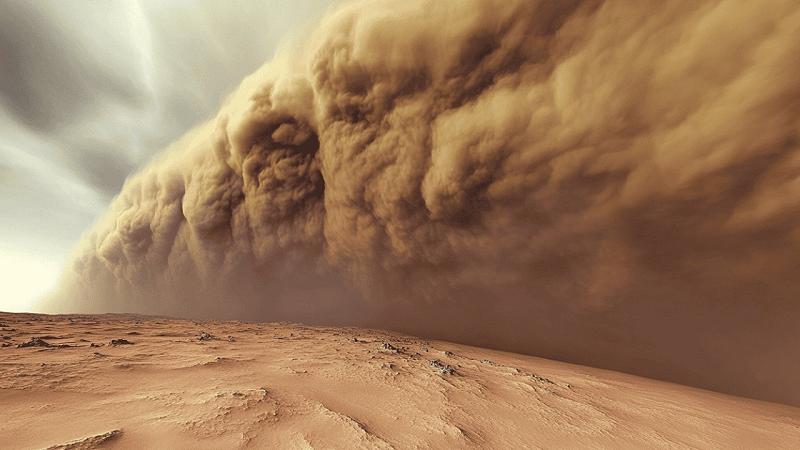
(293, 386)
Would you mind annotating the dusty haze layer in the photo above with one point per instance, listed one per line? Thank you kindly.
(611, 183)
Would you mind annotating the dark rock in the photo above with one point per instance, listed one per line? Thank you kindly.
(389, 347)
(35, 342)
(205, 336)
(541, 379)
(231, 339)
(95, 344)
(444, 369)
(116, 342)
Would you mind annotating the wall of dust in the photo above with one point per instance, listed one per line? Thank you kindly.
(610, 183)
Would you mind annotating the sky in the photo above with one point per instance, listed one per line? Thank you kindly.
(89, 91)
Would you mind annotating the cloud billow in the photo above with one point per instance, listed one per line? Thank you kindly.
(611, 183)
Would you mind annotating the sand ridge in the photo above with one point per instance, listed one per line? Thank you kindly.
(168, 383)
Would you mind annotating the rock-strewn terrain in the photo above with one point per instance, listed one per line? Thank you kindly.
(117, 381)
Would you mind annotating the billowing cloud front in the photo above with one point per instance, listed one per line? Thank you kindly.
(613, 183)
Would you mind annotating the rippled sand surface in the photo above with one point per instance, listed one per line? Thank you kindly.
(169, 383)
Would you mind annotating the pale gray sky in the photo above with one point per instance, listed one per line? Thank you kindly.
(90, 90)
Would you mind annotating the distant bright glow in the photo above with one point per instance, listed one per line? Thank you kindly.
(25, 278)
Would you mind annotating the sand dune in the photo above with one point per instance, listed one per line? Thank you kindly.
(168, 383)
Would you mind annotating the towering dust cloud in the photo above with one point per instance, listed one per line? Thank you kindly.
(612, 183)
